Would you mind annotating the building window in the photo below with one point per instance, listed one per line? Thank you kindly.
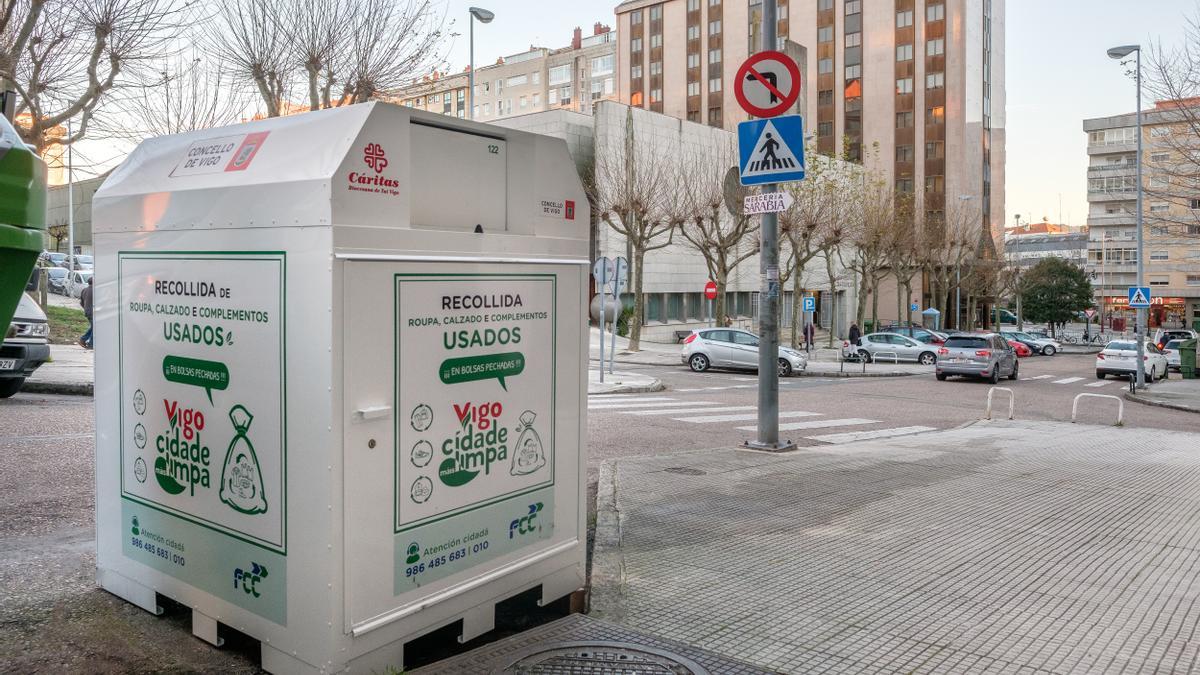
(853, 39)
(1193, 280)
(1158, 207)
(601, 65)
(656, 95)
(904, 185)
(714, 116)
(714, 27)
(904, 52)
(714, 56)
(693, 61)
(1159, 255)
(635, 72)
(536, 100)
(904, 85)
(853, 7)
(1159, 132)
(825, 66)
(656, 41)
(935, 115)
(635, 99)
(825, 97)
(1159, 157)
(935, 47)
(1160, 230)
(517, 80)
(693, 89)
(935, 12)
(904, 153)
(1194, 204)
(655, 68)
(597, 89)
(935, 80)
(904, 19)
(560, 74)
(853, 72)
(825, 34)
(934, 184)
(1160, 280)
(499, 87)
(635, 17)
(824, 5)
(656, 13)
(608, 86)
(714, 3)
(693, 5)
(635, 45)
(904, 120)
(1159, 181)
(714, 84)
(935, 150)
(524, 103)
(825, 129)
(693, 32)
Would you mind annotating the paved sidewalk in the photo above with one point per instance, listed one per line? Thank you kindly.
(998, 547)
(619, 382)
(1175, 394)
(69, 371)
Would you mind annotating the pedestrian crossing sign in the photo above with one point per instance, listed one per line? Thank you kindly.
(771, 150)
(1139, 297)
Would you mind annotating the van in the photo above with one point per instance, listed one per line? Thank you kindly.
(26, 346)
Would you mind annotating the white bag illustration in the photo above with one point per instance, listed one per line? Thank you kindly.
(241, 477)
(528, 455)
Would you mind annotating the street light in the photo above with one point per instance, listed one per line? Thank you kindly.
(483, 16)
(1139, 330)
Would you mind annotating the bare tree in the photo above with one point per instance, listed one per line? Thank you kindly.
(948, 247)
(722, 239)
(871, 241)
(637, 194)
(65, 57)
(390, 42)
(903, 250)
(249, 35)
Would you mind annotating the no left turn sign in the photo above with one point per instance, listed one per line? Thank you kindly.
(767, 84)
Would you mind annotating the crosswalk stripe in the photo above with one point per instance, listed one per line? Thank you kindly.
(710, 419)
(818, 424)
(627, 397)
(851, 436)
(686, 411)
(622, 406)
(1067, 380)
(1102, 383)
(1037, 377)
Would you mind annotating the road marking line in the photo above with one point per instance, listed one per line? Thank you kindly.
(626, 398)
(818, 424)
(709, 419)
(851, 436)
(1099, 384)
(685, 411)
(689, 390)
(1067, 380)
(1038, 377)
(676, 404)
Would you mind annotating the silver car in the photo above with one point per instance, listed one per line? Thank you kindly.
(733, 348)
(986, 355)
(1171, 351)
(892, 347)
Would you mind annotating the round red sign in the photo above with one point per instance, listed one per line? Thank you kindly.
(710, 290)
(767, 84)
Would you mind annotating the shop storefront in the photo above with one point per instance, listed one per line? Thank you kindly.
(1165, 311)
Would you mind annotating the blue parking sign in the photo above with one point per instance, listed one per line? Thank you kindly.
(809, 304)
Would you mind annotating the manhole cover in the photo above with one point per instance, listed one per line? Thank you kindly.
(686, 471)
(599, 658)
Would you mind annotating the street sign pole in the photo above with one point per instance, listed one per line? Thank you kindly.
(768, 341)
(620, 282)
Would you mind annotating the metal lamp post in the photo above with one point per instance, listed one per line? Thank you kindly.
(1139, 331)
(483, 16)
(1017, 273)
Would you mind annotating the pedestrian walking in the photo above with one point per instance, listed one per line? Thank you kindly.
(809, 332)
(85, 299)
(855, 334)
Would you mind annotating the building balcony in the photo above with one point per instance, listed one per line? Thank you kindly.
(1112, 220)
(1104, 170)
(1102, 149)
(1114, 196)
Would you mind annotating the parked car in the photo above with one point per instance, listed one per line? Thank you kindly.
(54, 258)
(1044, 346)
(57, 279)
(986, 355)
(76, 281)
(1119, 357)
(733, 348)
(26, 346)
(1007, 318)
(890, 347)
(924, 335)
(1164, 335)
(1171, 353)
(84, 262)
(1021, 348)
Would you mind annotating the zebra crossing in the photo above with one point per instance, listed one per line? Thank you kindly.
(711, 413)
(1055, 379)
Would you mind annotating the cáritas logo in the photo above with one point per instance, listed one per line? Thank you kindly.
(374, 157)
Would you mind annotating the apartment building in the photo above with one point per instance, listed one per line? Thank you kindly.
(572, 78)
(914, 88)
(1170, 211)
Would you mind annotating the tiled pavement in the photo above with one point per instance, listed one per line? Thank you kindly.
(1003, 547)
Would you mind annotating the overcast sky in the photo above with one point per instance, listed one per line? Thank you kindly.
(1058, 74)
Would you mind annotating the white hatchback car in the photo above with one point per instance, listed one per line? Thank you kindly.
(733, 348)
(1119, 357)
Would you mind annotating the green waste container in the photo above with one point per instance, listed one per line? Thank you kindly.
(1187, 359)
(22, 217)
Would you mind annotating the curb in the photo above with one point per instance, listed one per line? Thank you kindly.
(67, 388)
(806, 373)
(1160, 404)
(654, 386)
(606, 587)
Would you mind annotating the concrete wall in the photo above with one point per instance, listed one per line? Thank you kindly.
(57, 212)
